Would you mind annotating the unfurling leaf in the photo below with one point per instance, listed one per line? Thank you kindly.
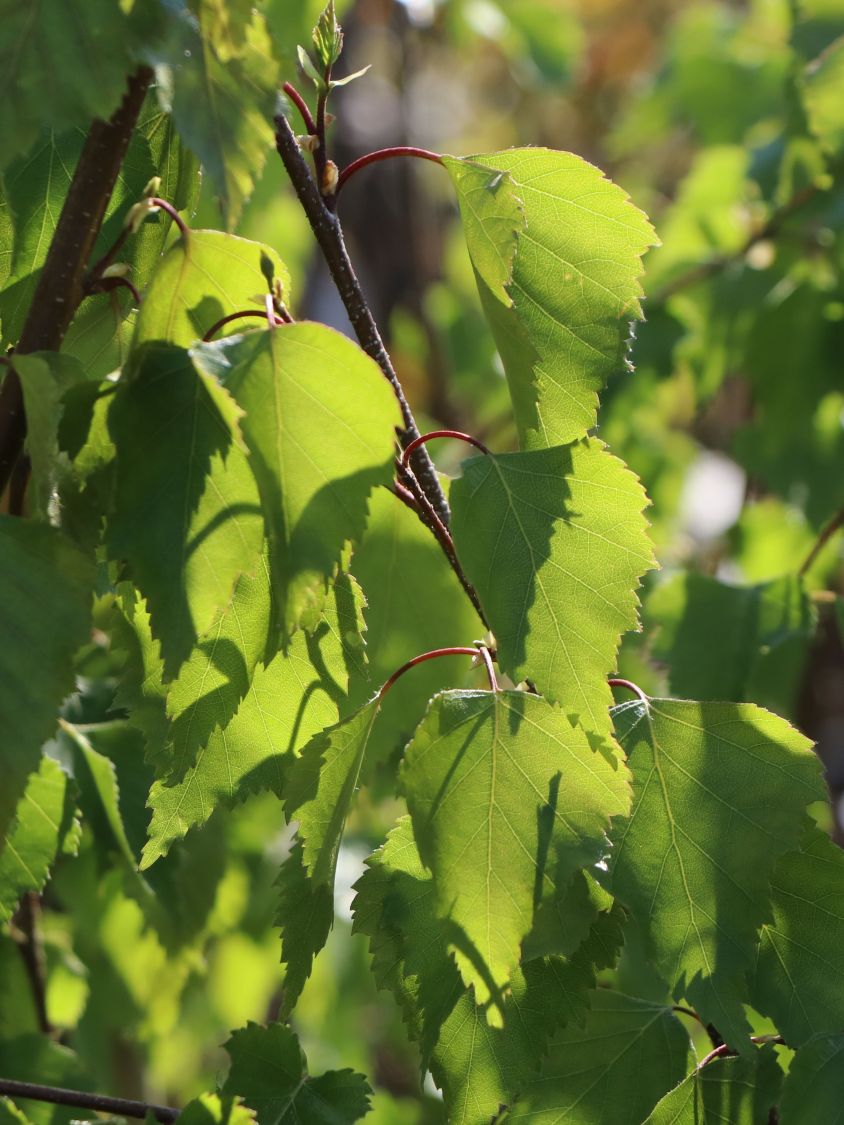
(506, 796)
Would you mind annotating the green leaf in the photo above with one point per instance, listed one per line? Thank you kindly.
(505, 796)
(204, 276)
(186, 513)
(320, 787)
(212, 1109)
(141, 690)
(319, 425)
(100, 796)
(741, 1091)
(814, 1087)
(62, 64)
(49, 617)
(44, 818)
(427, 609)
(614, 1069)
(478, 1068)
(554, 541)
(719, 793)
(295, 695)
(223, 101)
(305, 916)
(556, 250)
(732, 642)
(10, 1114)
(269, 1071)
(44, 377)
(799, 977)
(328, 36)
(823, 81)
(564, 914)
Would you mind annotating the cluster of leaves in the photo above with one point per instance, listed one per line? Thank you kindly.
(216, 578)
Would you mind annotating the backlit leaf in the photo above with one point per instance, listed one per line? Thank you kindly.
(556, 249)
(505, 796)
(719, 793)
(187, 517)
(49, 617)
(741, 1091)
(555, 542)
(305, 916)
(319, 424)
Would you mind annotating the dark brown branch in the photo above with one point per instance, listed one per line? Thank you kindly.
(329, 235)
(61, 285)
(55, 1095)
(28, 923)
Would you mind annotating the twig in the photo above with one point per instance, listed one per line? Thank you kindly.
(31, 948)
(716, 265)
(385, 154)
(329, 235)
(56, 1095)
(61, 284)
(826, 534)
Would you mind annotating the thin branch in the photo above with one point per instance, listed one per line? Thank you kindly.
(61, 284)
(458, 435)
(329, 236)
(713, 266)
(56, 1095)
(31, 947)
(826, 534)
(385, 154)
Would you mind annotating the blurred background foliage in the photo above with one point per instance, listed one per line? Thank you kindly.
(714, 117)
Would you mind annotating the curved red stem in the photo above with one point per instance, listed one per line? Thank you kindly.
(630, 686)
(436, 652)
(237, 316)
(301, 105)
(156, 201)
(407, 453)
(385, 154)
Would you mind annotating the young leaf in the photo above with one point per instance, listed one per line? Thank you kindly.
(44, 818)
(616, 1068)
(319, 426)
(799, 977)
(555, 543)
(269, 1071)
(297, 694)
(328, 36)
(320, 786)
(49, 617)
(719, 793)
(814, 1087)
(305, 916)
(204, 276)
(186, 512)
(223, 101)
(478, 1068)
(505, 795)
(534, 220)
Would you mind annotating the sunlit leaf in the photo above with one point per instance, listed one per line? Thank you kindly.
(555, 543)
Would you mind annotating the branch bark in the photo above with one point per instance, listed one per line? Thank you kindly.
(56, 1095)
(329, 235)
(60, 287)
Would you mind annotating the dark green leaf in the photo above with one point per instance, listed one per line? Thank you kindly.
(814, 1087)
(719, 793)
(740, 1091)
